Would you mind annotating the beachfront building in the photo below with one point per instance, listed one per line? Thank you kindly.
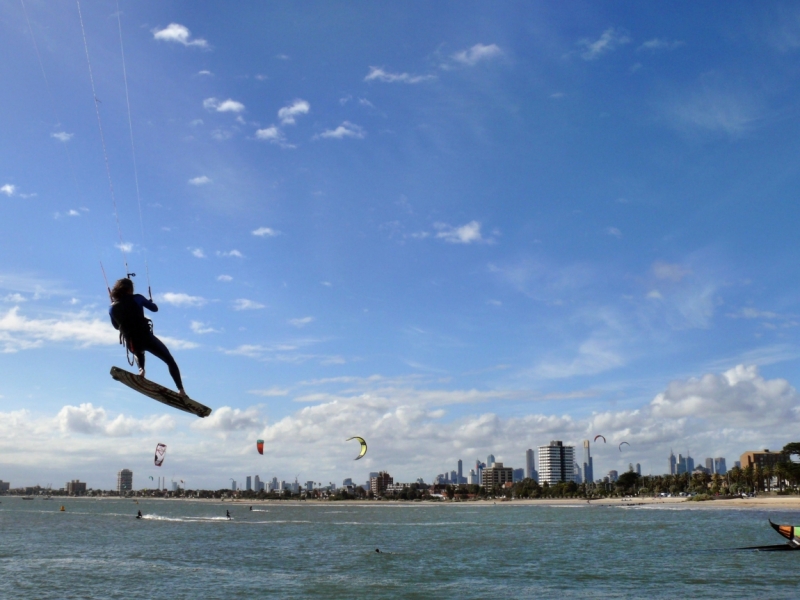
(530, 464)
(4, 486)
(762, 458)
(380, 483)
(75, 487)
(124, 481)
(588, 465)
(556, 463)
(496, 475)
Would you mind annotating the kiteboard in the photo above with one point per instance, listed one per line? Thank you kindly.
(160, 393)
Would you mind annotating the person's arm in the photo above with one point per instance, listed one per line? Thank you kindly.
(145, 303)
(111, 316)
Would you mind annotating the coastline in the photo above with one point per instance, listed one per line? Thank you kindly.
(758, 503)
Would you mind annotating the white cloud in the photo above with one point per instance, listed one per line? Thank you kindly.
(607, 42)
(62, 136)
(378, 74)
(227, 419)
(720, 111)
(270, 393)
(88, 420)
(73, 213)
(204, 72)
(231, 254)
(175, 32)
(271, 134)
(14, 298)
(182, 300)
(613, 231)
(18, 332)
(660, 44)
(8, 189)
(344, 130)
(266, 232)
(225, 278)
(478, 53)
(245, 304)
(223, 105)
(202, 328)
(669, 271)
(197, 252)
(753, 313)
(126, 247)
(201, 180)
(595, 355)
(466, 234)
(287, 114)
(301, 322)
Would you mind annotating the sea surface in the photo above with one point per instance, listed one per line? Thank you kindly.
(181, 549)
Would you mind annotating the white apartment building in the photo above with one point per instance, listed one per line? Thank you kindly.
(556, 463)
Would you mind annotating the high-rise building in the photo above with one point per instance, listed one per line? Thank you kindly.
(310, 486)
(124, 481)
(174, 486)
(672, 464)
(530, 463)
(710, 465)
(638, 469)
(479, 467)
(258, 485)
(762, 458)
(248, 484)
(613, 476)
(233, 485)
(578, 473)
(588, 466)
(4, 486)
(75, 487)
(273, 486)
(719, 466)
(380, 482)
(689, 464)
(472, 478)
(497, 474)
(737, 464)
(556, 463)
(460, 473)
(519, 475)
(680, 466)
(490, 460)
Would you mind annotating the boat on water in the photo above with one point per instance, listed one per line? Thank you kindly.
(27, 497)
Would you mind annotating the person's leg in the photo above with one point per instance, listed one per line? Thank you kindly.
(139, 356)
(157, 348)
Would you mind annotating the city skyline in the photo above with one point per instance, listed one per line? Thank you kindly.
(467, 230)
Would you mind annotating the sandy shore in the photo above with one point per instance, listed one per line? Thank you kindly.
(760, 503)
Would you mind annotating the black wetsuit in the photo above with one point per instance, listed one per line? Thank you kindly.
(127, 315)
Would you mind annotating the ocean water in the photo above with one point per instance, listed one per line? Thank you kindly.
(97, 549)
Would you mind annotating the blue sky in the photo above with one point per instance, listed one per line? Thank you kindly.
(451, 229)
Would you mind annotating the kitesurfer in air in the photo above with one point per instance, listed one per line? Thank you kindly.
(127, 316)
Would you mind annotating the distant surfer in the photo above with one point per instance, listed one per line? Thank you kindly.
(378, 550)
(127, 316)
(139, 515)
(251, 508)
(228, 514)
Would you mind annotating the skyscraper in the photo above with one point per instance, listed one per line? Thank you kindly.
(530, 463)
(489, 460)
(257, 485)
(556, 463)
(638, 469)
(719, 466)
(680, 465)
(460, 472)
(672, 464)
(710, 465)
(248, 484)
(588, 466)
(689, 463)
(124, 481)
(578, 473)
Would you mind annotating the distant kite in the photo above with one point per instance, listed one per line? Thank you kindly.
(600, 436)
(161, 451)
(620, 446)
(363, 446)
(260, 446)
(151, 478)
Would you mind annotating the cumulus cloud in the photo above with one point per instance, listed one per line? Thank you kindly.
(62, 136)
(90, 420)
(197, 252)
(180, 34)
(465, 234)
(613, 231)
(287, 114)
(227, 419)
(14, 298)
(271, 134)
(201, 180)
(478, 53)
(378, 74)
(265, 232)
(201, 328)
(18, 332)
(224, 278)
(231, 254)
(245, 304)
(270, 392)
(182, 300)
(301, 322)
(223, 105)
(126, 247)
(610, 40)
(345, 130)
(8, 189)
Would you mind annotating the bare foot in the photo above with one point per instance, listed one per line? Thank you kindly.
(141, 372)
